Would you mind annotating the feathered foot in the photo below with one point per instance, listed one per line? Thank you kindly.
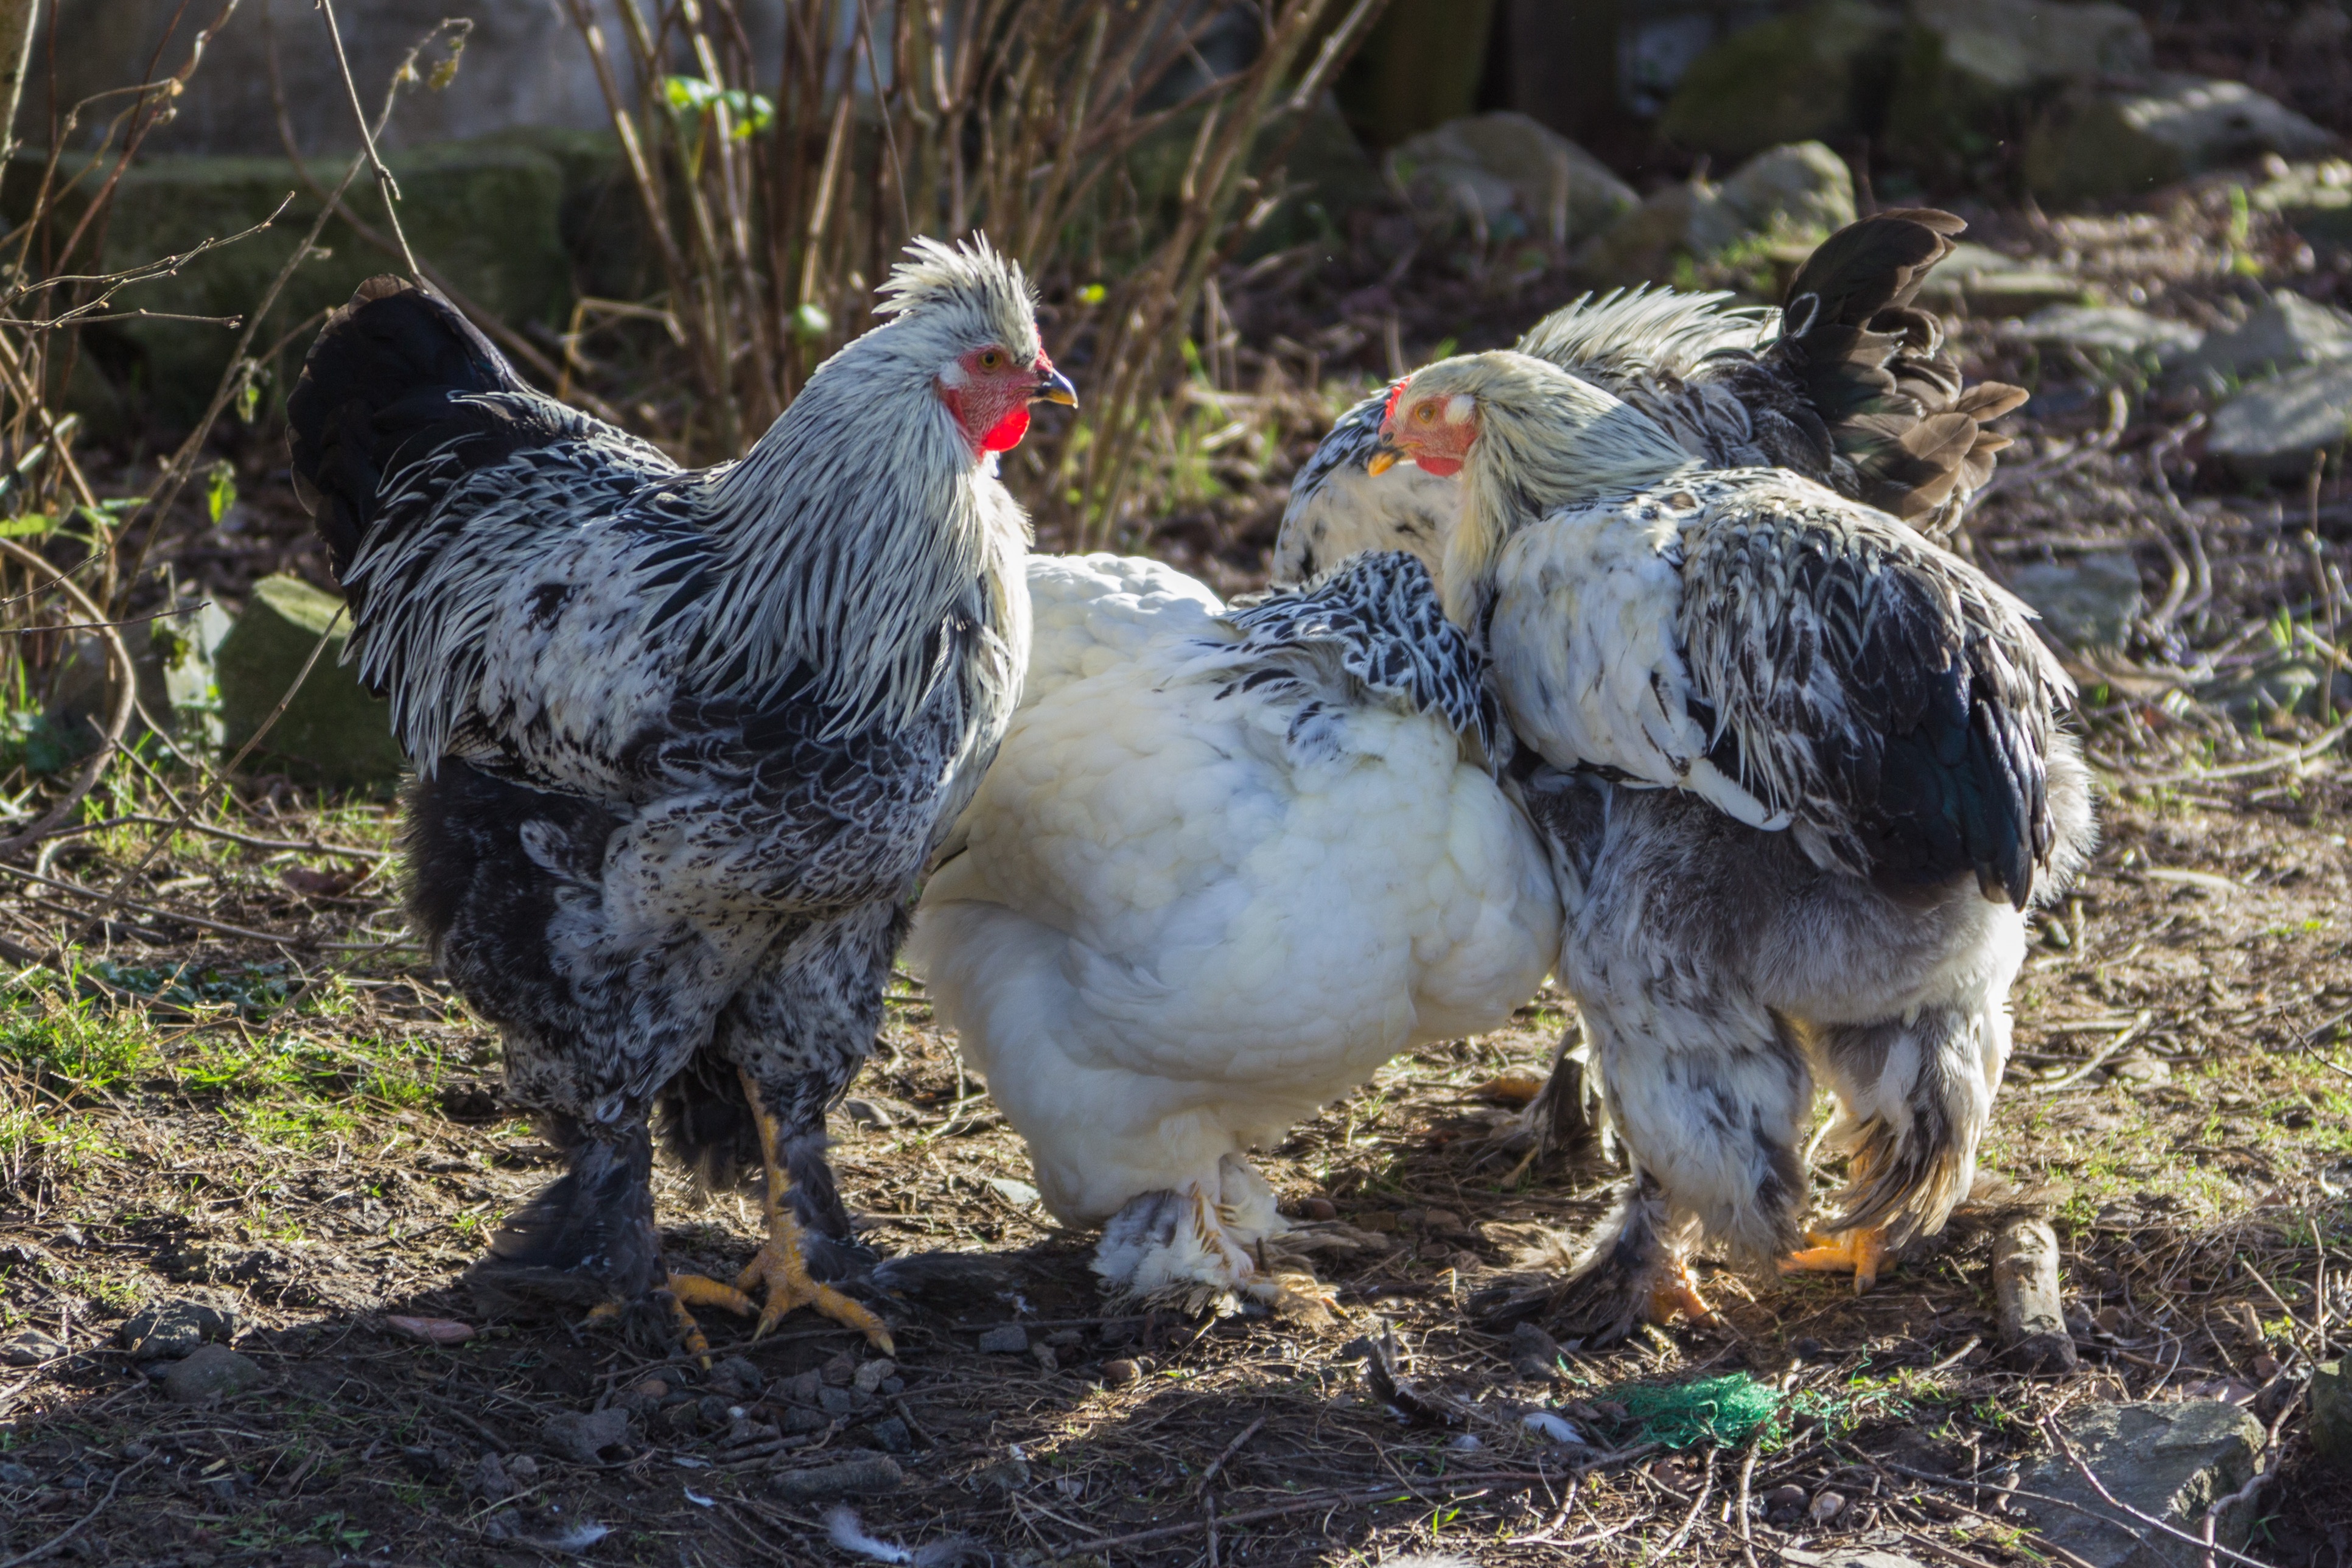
(780, 1266)
(1189, 1251)
(1862, 1250)
(587, 1238)
(1637, 1272)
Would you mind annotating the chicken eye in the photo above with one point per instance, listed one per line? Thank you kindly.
(1423, 414)
(992, 359)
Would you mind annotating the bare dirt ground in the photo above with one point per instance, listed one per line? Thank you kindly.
(318, 1142)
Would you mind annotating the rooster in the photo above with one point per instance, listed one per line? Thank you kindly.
(1227, 863)
(1849, 383)
(683, 737)
(1806, 771)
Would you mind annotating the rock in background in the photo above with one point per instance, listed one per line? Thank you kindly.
(1513, 176)
(333, 731)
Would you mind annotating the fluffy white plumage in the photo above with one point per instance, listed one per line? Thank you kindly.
(1215, 878)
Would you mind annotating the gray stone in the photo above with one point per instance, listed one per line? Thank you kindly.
(2316, 199)
(168, 1329)
(1975, 71)
(523, 65)
(738, 1377)
(2110, 329)
(211, 1373)
(2087, 602)
(2171, 1462)
(332, 731)
(584, 1437)
(1019, 1195)
(891, 1436)
(1787, 199)
(1848, 1557)
(1997, 285)
(2287, 331)
(1799, 77)
(1005, 1338)
(1534, 1353)
(868, 1476)
(2272, 427)
(871, 1376)
(486, 214)
(2331, 1413)
(2114, 144)
(1513, 171)
(31, 1348)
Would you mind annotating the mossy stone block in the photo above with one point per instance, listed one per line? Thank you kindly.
(1815, 74)
(333, 731)
(1971, 73)
(485, 214)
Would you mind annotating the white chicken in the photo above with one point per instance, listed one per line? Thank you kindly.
(1806, 771)
(1226, 863)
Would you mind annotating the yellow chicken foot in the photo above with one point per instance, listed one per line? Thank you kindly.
(1861, 1250)
(1678, 1293)
(686, 1291)
(779, 1266)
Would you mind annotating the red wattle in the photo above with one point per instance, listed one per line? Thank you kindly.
(1443, 468)
(1007, 432)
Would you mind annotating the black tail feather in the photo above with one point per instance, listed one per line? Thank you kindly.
(377, 380)
(1875, 368)
(587, 1238)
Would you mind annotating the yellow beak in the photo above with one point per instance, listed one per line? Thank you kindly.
(1384, 457)
(1056, 388)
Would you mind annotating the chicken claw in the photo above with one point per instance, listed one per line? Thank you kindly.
(1861, 1250)
(778, 1267)
(686, 1292)
(1678, 1293)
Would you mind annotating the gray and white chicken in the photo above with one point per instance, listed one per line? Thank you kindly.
(1806, 771)
(684, 738)
(1849, 383)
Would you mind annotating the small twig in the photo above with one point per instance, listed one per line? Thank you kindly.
(1747, 1472)
(1666, 1554)
(2244, 1494)
(2098, 1058)
(1232, 1448)
(126, 674)
(384, 182)
(101, 626)
(74, 1528)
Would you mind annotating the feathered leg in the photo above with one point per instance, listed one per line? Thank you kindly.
(796, 1036)
(1914, 1094)
(1207, 1245)
(1708, 1105)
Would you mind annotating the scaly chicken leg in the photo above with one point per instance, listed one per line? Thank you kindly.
(779, 1265)
(1862, 1250)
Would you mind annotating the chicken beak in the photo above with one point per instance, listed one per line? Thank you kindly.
(1056, 388)
(1384, 456)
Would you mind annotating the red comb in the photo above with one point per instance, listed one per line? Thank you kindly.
(1396, 390)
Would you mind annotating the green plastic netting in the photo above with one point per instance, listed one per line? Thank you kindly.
(1721, 1410)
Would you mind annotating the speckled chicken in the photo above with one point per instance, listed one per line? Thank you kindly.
(1805, 771)
(1227, 863)
(1849, 383)
(684, 738)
